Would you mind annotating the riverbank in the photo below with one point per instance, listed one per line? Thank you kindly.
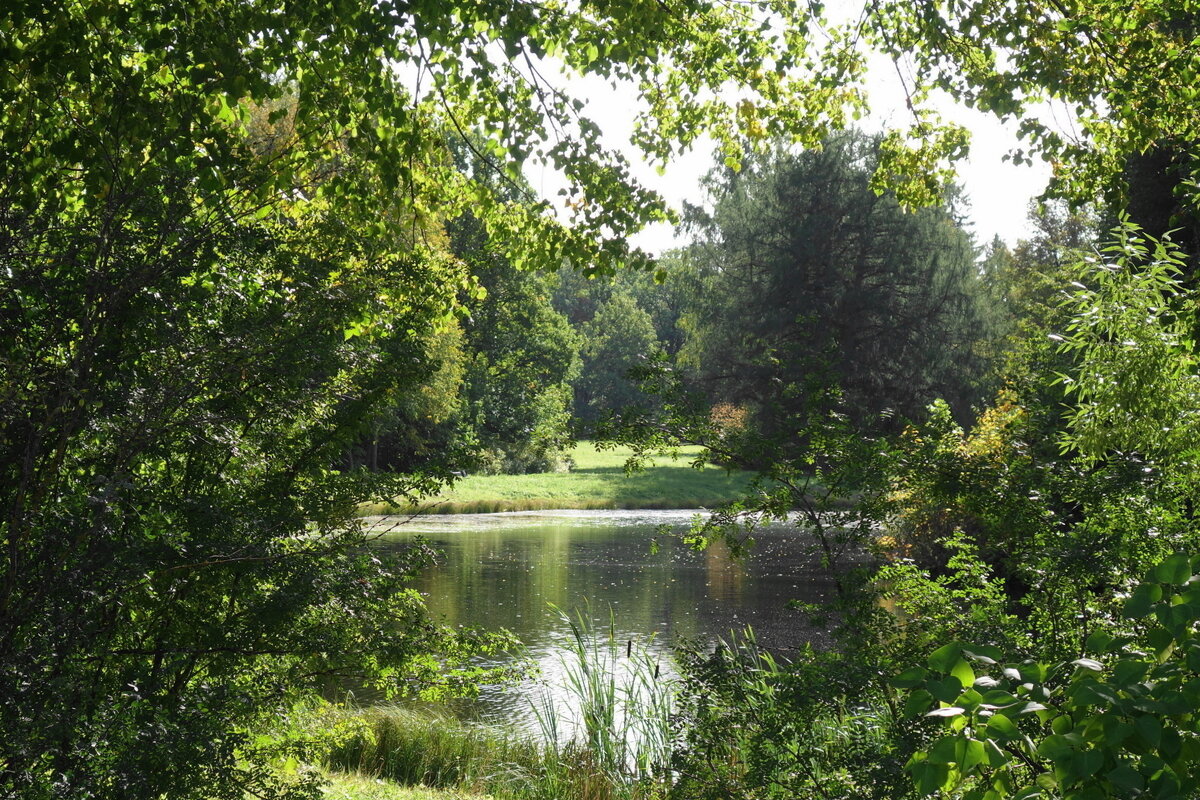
(597, 480)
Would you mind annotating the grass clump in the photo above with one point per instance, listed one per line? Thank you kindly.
(401, 749)
(427, 748)
(598, 480)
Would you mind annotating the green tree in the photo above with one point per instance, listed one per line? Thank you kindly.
(523, 356)
(179, 557)
(1064, 531)
(1123, 73)
(812, 280)
(664, 294)
(1031, 284)
(618, 339)
(1080, 522)
(422, 425)
(1003, 480)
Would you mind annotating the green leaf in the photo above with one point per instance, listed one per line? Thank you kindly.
(918, 703)
(962, 670)
(1116, 732)
(999, 697)
(1175, 570)
(1091, 693)
(1160, 639)
(1176, 618)
(947, 689)
(930, 778)
(948, 711)
(1033, 672)
(1046, 781)
(984, 654)
(944, 750)
(1001, 727)
(1128, 671)
(945, 658)
(1099, 642)
(1055, 747)
(1086, 763)
(970, 752)
(909, 678)
(1149, 728)
(1139, 603)
(1126, 778)
(995, 756)
(1170, 745)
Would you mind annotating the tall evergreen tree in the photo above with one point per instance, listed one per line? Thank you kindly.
(814, 284)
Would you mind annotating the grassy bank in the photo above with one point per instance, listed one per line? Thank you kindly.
(410, 755)
(351, 786)
(598, 480)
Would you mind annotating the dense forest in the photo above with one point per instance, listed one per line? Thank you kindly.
(262, 264)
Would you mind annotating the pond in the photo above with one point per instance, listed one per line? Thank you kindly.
(513, 571)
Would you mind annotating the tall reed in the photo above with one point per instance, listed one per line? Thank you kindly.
(618, 716)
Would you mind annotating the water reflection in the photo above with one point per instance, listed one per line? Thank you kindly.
(508, 570)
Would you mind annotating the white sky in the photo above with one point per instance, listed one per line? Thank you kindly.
(998, 191)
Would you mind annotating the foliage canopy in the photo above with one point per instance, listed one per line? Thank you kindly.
(219, 258)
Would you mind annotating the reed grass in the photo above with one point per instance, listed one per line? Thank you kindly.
(621, 714)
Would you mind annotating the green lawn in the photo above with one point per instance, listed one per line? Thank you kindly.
(598, 480)
(358, 787)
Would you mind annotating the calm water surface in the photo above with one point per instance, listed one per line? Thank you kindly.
(510, 570)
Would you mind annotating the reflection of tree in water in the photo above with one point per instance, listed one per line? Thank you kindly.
(755, 591)
(724, 576)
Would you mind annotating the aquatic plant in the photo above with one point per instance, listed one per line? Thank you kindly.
(617, 714)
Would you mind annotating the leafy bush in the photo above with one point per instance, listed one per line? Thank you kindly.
(1118, 722)
(754, 727)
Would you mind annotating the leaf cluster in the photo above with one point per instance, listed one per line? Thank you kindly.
(1115, 722)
